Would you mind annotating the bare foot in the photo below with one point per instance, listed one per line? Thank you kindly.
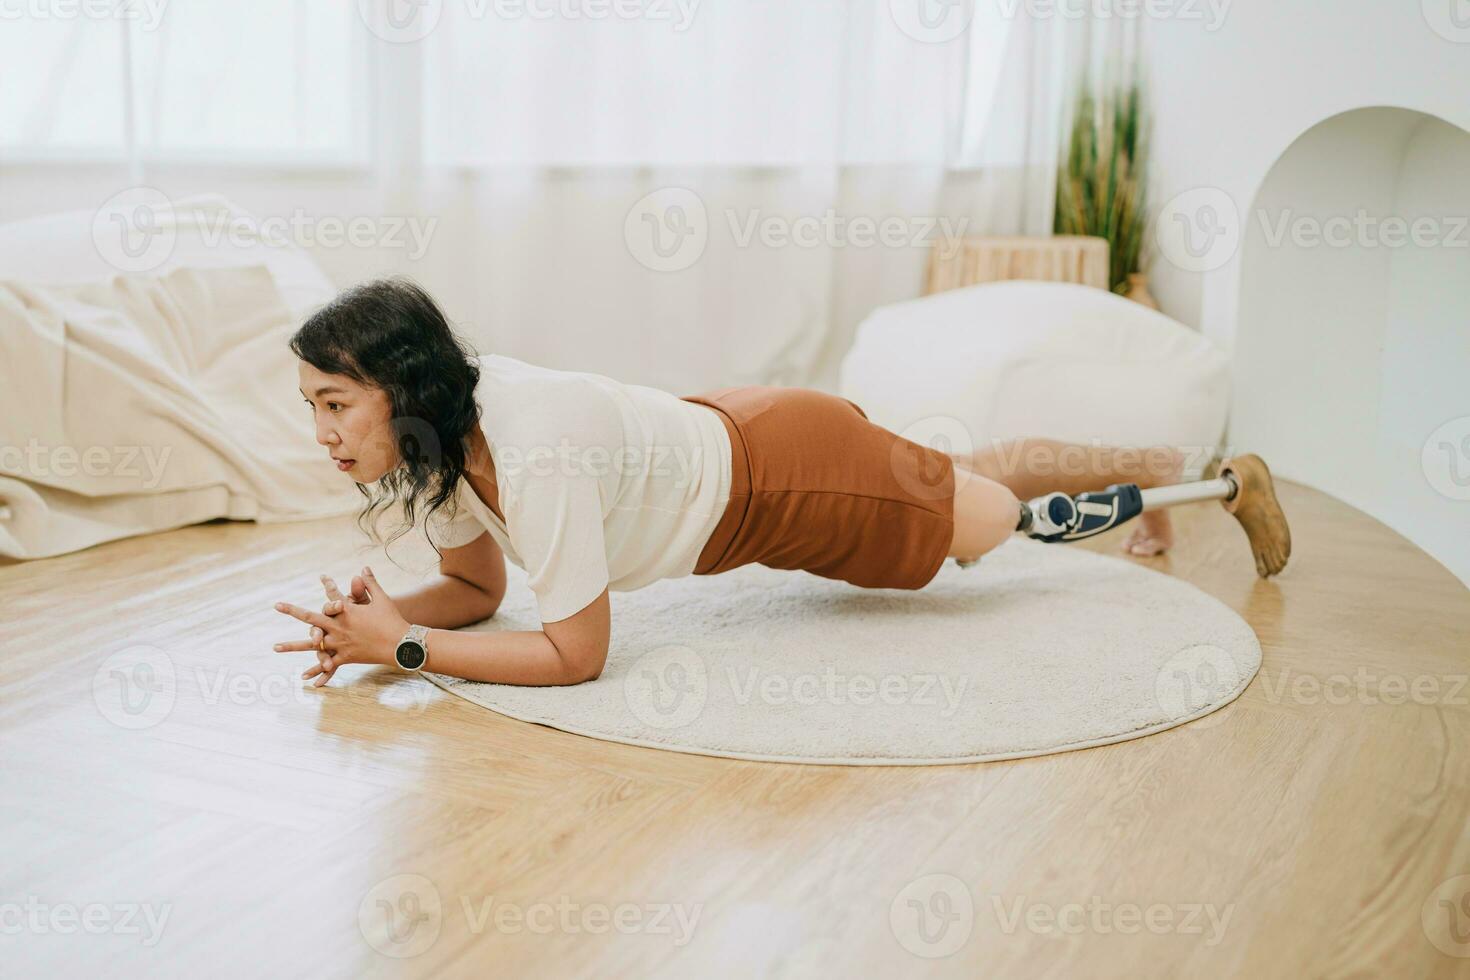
(1154, 533)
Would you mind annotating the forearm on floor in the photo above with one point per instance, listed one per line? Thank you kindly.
(505, 657)
(446, 602)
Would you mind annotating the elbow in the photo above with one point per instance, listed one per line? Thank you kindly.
(580, 670)
(491, 604)
(577, 674)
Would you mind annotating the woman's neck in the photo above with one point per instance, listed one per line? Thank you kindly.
(480, 467)
(478, 460)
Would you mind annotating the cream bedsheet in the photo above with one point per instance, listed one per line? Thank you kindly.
(140, 404)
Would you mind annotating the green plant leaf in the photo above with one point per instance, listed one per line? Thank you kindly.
(1101, 176)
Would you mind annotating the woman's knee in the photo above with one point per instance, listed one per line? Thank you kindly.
(985, 514)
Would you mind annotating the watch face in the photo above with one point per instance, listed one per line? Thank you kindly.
(410, 655)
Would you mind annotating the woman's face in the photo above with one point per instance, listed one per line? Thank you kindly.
(352, 421)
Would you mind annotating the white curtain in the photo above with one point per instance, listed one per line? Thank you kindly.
(723, 83)
(682, 193)
(721, 201)
(216, 81)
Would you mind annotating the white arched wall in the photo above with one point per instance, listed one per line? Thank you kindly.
(1351, 353)
(1229, 94)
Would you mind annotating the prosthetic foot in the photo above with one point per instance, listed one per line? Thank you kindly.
(1255, 506)
(1243, 487)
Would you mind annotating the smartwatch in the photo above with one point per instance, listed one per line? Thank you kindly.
(413, 649)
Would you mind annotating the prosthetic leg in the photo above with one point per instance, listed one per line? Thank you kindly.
(1243, 487)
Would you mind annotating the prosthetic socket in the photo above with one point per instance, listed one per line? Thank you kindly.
(1059, 517)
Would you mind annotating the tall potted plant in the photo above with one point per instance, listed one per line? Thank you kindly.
(1101, 180)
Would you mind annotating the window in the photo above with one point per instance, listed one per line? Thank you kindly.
(260, 82)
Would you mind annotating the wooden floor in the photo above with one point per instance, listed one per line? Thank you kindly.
(191, 808)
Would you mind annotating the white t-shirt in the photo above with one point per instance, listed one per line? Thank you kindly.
(603, 485)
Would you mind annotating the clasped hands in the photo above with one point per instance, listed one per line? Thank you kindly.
(363, 627)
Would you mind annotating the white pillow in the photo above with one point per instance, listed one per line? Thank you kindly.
(1007, 360)
(60, 249)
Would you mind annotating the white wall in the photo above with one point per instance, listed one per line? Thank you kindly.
(1227, 103)
(1346, 359)
(1353, 346)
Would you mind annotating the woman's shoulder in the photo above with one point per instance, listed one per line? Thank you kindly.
(524, 400)
(505, 371)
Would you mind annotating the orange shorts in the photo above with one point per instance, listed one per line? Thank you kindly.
(816, 486)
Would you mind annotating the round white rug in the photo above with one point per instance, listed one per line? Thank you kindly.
(1038, 648)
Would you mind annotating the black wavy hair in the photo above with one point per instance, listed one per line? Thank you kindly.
(391, 335)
